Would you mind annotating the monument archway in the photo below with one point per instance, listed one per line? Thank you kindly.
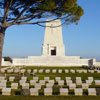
(53, 51)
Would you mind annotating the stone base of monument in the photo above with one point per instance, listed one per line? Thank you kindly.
(51, 61)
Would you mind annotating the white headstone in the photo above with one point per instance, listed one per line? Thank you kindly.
(72, 86)
(78, 91)
(92, 91)
(6, 91)
(97, 82)
(14, 85)
(34, 91)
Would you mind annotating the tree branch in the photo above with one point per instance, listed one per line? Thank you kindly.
(24, 22)
(6, 10)
(5, 15)
(21, 13)
(26, 19)
(38, 22)
(1, 13)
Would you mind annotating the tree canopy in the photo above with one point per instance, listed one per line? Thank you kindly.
(16, 12)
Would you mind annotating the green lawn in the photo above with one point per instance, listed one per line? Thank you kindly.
(49, 97)
(46, 67)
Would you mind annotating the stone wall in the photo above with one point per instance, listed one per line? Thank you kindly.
(6, 63)
(51, 61)
(97, 63)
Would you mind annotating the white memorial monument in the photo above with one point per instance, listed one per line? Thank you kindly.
(53, 40)
(53, 51)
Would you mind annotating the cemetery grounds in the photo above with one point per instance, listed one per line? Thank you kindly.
(16, 94)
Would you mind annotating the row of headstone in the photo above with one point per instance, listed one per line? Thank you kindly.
(49, 91)
(11, 78)
(48, 71)
(78, 80)
(47, 84)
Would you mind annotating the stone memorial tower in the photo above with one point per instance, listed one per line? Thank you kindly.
(53, 40)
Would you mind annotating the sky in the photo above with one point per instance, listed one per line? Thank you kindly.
(79, 40)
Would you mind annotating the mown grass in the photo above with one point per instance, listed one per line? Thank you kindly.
(52, 67)
(84, 76)
(53, 75)
(49, 97)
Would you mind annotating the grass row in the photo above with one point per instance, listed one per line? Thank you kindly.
(49, 97)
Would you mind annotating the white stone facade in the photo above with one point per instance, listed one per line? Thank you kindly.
(53, 40)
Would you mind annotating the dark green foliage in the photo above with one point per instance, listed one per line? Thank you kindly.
(7, 59)
(23, 11)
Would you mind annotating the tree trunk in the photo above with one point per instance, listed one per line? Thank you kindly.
(2, 34)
